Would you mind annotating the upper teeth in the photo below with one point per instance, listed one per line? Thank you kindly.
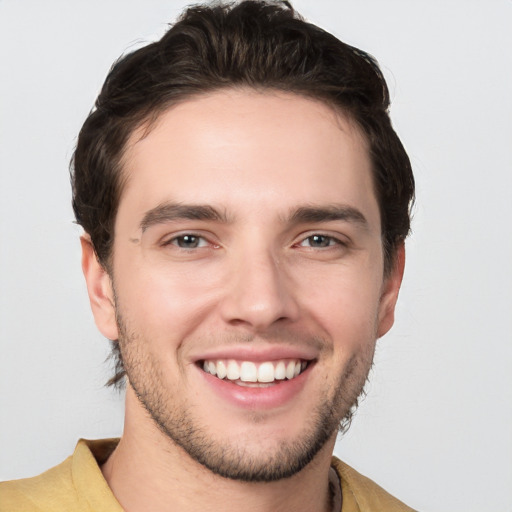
(248, 371)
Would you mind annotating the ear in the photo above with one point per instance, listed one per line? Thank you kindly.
(389, 295)
(101, 292)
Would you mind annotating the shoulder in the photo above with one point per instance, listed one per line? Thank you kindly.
(364, 493)
(76, 484)
(52, 490)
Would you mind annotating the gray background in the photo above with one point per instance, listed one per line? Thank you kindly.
(436, 427)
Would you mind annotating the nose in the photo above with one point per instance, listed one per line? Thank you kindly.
(259, 292)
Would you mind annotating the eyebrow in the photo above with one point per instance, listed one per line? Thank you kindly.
(312, 214)
(168, 212)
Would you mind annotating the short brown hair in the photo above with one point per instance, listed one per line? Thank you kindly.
(253, 43)
(256, 44)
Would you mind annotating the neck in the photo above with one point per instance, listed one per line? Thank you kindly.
(148, 471)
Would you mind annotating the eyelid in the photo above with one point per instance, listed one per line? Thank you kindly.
(341, 239)
(201, 241)
(332, 243)
(169, 238)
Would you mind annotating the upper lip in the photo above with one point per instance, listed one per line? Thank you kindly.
(258, 354)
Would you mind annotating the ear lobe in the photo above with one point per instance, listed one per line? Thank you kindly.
(390, 289)
(100, 290)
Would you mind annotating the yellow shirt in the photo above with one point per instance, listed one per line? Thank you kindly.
(77, 485)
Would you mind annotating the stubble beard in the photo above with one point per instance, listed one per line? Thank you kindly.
(222, 457)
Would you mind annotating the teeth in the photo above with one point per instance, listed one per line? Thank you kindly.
(266, 372)
(253, 373)
(248, 372)
(233, 371)
(222, 371)
(290, 370)
(280, 371)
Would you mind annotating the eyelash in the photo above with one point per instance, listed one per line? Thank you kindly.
(332, 241)
(176, 239)
(202, 242)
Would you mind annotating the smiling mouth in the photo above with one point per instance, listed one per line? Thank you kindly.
(250, 374)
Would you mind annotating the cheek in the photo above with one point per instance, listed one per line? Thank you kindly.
(346, 307)
(341, 313)
(159, 300)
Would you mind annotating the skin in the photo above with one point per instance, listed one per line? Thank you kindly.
(257, 281)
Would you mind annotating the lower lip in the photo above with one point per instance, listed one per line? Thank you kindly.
(255, 397)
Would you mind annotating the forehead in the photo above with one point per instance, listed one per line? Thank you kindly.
(251, 150)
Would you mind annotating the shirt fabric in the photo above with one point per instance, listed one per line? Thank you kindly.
(77, 485)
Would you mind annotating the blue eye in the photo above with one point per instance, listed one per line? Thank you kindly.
(319, 241)
(189, 241)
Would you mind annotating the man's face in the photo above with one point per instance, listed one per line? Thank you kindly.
(248, 279)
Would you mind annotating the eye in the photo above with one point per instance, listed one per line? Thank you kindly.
(188, 241)
(318, 241)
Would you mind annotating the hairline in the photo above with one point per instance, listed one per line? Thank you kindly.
(150, 119)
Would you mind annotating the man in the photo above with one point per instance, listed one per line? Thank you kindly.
(245, 202)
